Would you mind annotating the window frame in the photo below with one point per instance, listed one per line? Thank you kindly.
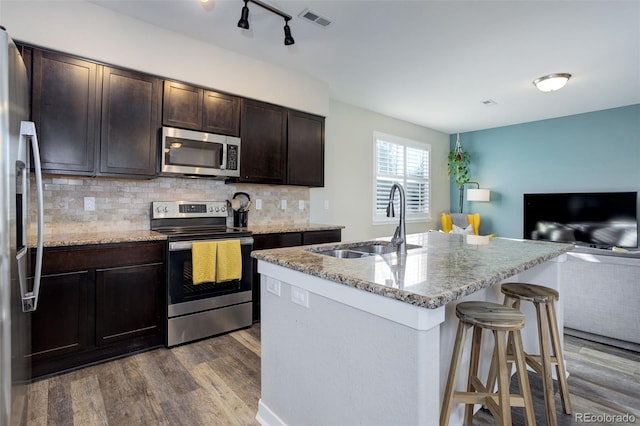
(378, 219)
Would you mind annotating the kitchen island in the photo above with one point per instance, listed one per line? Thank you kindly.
(368, 340)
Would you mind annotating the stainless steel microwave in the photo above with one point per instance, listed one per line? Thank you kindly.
(191, 153)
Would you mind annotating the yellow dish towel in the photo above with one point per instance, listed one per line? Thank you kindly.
(203, 260)
(229, 260)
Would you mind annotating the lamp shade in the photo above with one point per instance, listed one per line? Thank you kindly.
(478, 194)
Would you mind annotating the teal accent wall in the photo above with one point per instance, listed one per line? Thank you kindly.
(591, 152)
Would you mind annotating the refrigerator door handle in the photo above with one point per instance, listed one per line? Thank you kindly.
(30, 299)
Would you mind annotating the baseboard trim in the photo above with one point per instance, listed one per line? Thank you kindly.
(631, 346)
(266, 417)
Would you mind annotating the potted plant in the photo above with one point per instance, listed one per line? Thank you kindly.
(458, 164)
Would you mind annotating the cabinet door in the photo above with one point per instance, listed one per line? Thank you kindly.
(305, 149)
(59, 325)
(263, 151)
(130, 123)
(129, 303)
(221, 113)
(65, 107)
(182, 105)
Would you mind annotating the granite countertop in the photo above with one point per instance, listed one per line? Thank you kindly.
(290, 227)
(445, 268)
(97, 237)
(53, 238)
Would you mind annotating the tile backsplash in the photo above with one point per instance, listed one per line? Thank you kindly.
(126, 204)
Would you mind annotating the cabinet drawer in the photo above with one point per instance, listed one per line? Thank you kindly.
(319, 237)
(66, 259)
(269, 241)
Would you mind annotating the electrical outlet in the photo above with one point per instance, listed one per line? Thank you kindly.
(326, 204)
(283, 204)
(273, 286)
(258, 204)
(300, 204)
(300, 296)
(89, 204)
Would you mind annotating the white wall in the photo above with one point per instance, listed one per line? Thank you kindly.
(349, 171)
(90, 31)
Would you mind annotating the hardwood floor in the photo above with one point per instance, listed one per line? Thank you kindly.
(603, 381)
(210, 382)
(217, 382)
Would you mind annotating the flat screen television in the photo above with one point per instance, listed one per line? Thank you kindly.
(595, 219)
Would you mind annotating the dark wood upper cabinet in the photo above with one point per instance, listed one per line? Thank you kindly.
(305, 149)
(93, 119)
(221, 113)
(66, 110)
(182, 105)
(195, 108)
(130, 123)
(264, 143)
(97, 120)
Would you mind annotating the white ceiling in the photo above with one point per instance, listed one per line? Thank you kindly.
(433, 63)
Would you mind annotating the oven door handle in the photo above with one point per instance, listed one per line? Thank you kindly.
(186, 245)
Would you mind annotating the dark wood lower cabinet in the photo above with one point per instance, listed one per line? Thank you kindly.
(98, 302)
(128, 302)
(281, 240)
(59, 326)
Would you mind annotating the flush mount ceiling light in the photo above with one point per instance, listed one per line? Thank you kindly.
(551, 82)
(244, 19)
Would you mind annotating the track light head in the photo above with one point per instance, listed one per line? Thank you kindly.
(288, 39)
(244, 17)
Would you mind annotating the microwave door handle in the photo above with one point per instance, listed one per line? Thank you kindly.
(223, 163)
(30, 299)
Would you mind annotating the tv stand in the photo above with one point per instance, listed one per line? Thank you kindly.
(601, 295)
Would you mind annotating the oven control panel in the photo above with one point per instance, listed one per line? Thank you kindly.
(184, 209)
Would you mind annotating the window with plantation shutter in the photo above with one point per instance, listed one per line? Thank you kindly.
(403, 161)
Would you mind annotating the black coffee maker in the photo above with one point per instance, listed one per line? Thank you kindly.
(241, 209)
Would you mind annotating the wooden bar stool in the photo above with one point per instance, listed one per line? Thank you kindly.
(505, 322)
(543, 298)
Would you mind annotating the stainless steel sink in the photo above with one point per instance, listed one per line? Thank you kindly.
(376, 249)
(342, 254)
(368, 249)
(381, 248)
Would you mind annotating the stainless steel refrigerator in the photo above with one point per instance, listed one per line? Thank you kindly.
(18, 295)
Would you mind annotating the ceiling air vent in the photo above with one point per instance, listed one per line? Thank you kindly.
(314, 17)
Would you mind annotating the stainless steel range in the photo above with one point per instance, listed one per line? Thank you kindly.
(208, 308)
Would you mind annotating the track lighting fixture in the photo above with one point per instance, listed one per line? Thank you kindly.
(288, 40)
(244, 19)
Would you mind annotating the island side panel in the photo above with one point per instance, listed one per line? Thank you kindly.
(330, 363)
